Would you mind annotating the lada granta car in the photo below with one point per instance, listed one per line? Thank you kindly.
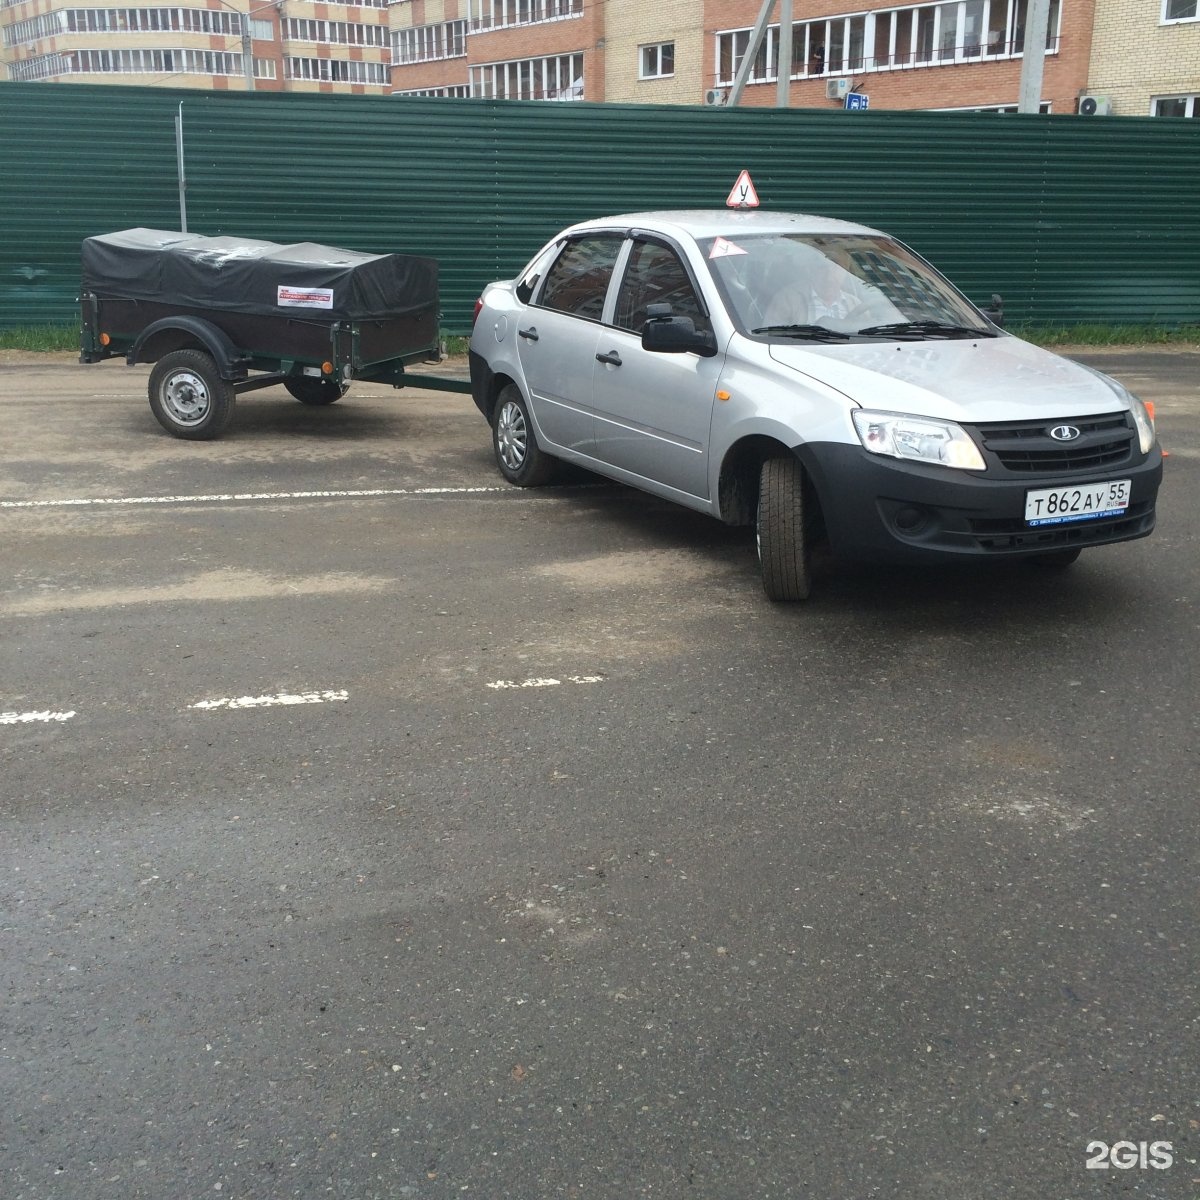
(813, 378)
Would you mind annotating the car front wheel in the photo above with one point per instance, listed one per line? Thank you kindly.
(783, 552)
(520, 459)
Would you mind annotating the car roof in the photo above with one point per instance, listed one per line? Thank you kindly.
(718, 222)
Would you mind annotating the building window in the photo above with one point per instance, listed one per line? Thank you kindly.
(1176, 106)
(341, 33)
(732, 48)
(657, 61)
(458, 91)
(425, 43)
(495, 14)
(335, 70)
(557, 78)
(891, 39)
(157, 62)
(1180, 10)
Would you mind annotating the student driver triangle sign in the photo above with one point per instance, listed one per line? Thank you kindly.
(743, 194)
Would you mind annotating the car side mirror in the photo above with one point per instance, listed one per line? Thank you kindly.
(677, 335)
(995, 313)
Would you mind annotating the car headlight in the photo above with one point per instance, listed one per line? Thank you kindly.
(918, 439)
(1144, 422)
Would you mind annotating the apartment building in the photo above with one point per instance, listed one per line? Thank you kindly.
(958, 54)
(1162, 79)
(293, 45)
(1132, 57)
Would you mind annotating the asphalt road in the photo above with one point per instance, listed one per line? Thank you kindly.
(473, 842)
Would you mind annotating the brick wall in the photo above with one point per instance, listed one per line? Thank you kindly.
(1165, 60)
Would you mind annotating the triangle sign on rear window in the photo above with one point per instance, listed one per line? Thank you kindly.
(743, 194)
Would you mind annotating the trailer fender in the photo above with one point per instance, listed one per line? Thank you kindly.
(188, 333)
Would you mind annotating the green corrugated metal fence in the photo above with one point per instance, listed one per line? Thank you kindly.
(1072, 219)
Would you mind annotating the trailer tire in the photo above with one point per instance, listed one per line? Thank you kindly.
(188, 396)
(780, 529)
(315, 391)
(520, 459)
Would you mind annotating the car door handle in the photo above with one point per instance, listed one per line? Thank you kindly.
(530, 334)
(612, 358)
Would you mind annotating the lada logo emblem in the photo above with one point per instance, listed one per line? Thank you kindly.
(1064, 433)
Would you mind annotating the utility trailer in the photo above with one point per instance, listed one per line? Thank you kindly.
(218, 316)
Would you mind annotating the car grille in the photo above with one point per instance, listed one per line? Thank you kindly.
(1026, 447)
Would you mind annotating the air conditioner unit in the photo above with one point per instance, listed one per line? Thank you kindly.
(715, 97)
(1094, 106)
(837, 89)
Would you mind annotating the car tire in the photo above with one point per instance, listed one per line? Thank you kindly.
(188, 396)
(783, 551)
(1056, 560)
(520, 459)
(315, 391)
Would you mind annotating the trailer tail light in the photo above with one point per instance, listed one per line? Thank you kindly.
(327, 368)
(105, 339)
(478, 310)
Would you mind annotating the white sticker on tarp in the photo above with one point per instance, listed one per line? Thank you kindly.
(294, 297)
(722, 248)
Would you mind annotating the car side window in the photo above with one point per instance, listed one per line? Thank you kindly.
(578, 281)
(654, 275)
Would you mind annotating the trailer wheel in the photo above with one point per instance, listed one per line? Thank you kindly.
(520, 459)
(780, 528)
(309, 390)
(188, 396)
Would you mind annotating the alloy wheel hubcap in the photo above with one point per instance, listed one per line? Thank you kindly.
(512, 438)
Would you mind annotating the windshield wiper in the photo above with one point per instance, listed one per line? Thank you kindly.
(820, 333)
(921, 329)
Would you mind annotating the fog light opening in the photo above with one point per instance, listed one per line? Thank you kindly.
(908, 519)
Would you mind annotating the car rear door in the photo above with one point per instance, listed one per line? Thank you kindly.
(557, 338)
(653, 410)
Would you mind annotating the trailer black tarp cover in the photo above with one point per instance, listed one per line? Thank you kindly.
(241, 275)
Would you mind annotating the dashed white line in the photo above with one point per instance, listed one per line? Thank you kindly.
(506, 684)
(226, 497)
(282, 698)
(28, 718)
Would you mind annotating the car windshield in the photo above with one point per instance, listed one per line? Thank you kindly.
(829, 287)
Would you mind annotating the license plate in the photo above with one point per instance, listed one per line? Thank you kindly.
(1085, 502)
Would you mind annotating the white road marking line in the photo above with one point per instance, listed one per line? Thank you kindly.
(224, 498)
(506, 684)
(13, 718)
(283, 698)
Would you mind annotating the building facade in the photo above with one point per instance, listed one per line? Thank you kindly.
(293, 45)
(1134, 57)
(1163, 78)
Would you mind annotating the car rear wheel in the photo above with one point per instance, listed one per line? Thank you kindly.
(188, 396)
(520, 459)
(783, 551)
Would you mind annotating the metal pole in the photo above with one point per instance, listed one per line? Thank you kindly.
(181, 169)
(783, 89)
(1033, 63)
(747, 64)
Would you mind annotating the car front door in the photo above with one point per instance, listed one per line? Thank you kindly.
(557, 336)
(653, 410)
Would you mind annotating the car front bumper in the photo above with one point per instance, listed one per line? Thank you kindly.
(887, 509)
